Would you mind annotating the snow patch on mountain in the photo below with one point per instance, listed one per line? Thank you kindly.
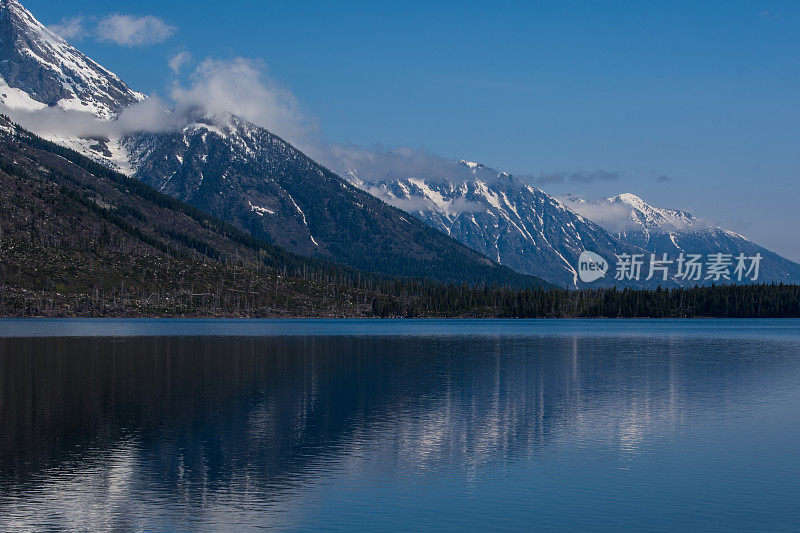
(15, 98)
(261, 211)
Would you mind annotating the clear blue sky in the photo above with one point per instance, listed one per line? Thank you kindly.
(704, 94)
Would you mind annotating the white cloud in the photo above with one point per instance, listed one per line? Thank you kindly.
(582, 176)
(615, 218)
(71, 28)
(242, 88)
(178, 61)
(378, 164)
(218, 89)
(151, 115)
(130, 30)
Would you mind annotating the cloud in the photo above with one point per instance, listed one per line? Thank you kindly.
(614, 218)
(71, 28)
(241, 88)
(149, 116)
(771, 15)
(380, 164)
(415, 204)
(582, 177)
(217, 89)
(551, 177)
(593, 176)
(618, 217)
(130, 30)
(178, 61)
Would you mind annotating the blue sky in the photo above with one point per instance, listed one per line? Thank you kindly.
(691, 105)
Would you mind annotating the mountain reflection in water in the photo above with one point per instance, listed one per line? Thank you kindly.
(326, 431)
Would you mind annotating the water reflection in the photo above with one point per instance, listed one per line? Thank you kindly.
(227, 432)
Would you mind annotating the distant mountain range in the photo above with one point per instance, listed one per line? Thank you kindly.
(501, 217)
(672, 232)
(523, 227)
(478, 226)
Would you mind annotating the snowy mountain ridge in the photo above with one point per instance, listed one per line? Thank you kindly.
(630, 217)
(502, 217)
(40, 69)
(523, 227)
(672, 232)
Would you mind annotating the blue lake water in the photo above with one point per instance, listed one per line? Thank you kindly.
(400, 425)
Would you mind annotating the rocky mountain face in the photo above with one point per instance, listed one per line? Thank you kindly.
(256, 180)
(530, 231)
(504, 218)
(672, 232)
(40, 69)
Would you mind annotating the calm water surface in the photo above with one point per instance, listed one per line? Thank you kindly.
(400, 425)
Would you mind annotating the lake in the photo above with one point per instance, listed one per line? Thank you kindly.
(400, 425)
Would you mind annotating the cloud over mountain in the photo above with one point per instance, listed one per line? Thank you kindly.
(242, 88)
(581, 176)
(178, 61)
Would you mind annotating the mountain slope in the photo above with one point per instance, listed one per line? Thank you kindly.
(244, 174)
(39, 69)
(500, 216)
(672, 232)
(79, 240)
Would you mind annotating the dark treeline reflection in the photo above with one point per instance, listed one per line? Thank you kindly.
(195, 417)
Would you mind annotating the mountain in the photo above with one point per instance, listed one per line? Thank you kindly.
(232, 169)
(673, 232)
(246, 175)
(530, 231)
(40, 69)
(502, 217)
(77, 239)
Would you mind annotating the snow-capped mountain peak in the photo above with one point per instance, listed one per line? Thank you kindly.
(627, 213)
(39, 69)
(500, 216)
(630, 199)
(654, 219)
(672, 232)
(472, 166)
